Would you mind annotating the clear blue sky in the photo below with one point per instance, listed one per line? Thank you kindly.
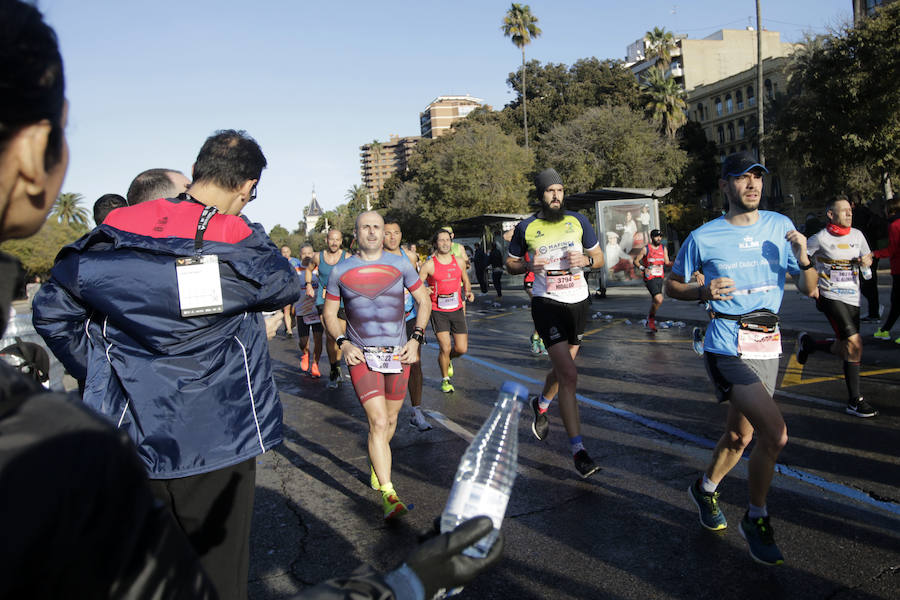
(148, 81)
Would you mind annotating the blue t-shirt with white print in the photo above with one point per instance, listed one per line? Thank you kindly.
(755, 256)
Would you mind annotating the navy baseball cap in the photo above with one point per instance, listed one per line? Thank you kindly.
(739, 163)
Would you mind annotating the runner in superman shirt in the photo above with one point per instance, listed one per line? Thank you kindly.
(374, 343)
(744, 256)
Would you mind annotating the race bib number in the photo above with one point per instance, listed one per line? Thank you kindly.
(448, 301)
(311, 319)
(562, 283)
(383, 359)
(656, 271)
(842, 276)
(759, 344)
(199, 285)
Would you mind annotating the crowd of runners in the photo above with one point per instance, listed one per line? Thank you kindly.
(157, 314)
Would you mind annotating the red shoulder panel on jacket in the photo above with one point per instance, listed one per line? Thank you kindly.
(167, 217)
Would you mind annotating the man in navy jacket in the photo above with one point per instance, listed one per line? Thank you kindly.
(158, 311)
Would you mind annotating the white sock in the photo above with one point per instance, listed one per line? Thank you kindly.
(755, 512)
(543, 403)
(708, 486)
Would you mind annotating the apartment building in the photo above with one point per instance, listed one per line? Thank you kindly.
(380, 160)
(437, 117)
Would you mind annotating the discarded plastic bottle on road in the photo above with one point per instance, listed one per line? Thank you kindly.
(608, 317)
(643, 322)
(487, 470)
(628, 321)
(680, 324)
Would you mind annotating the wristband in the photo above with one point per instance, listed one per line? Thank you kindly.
(807, 267)
(418, 330)
(417, 335)
(340, 340)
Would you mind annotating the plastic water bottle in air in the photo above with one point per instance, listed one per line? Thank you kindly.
(487, 470)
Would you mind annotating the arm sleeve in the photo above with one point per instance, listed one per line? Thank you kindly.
(60, 318)
(688, 259)
(517, 245)
(410, 278)
(589, 236)
(333, 287)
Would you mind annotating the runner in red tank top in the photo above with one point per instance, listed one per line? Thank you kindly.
(652, 261)
(444, 274)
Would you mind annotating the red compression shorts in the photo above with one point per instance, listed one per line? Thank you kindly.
(370, 384)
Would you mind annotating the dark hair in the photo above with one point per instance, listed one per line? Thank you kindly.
(434, 238)
(834, 200)
(391, 221)
(105, 204)
(306, 244)
(228, 158)
(32, 86)
(150, 185)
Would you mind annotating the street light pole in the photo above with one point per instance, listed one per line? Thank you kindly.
(760, 128)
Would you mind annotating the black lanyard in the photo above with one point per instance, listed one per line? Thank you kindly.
(205, 217)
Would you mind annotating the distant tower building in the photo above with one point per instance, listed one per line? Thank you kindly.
(437, 117)
(380, 160)
(313, 212)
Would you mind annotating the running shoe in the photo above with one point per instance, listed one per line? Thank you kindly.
(334, 379)
(697, 340)
(373, 478)
(535, 344)
(651, 324)
(450, 369)
(304, 362)
(393, 507)
(583, 463)
(540, 427)
(882, 334)
(871, 319)
(446, 386)
(418, 421)
(761, 539)
(708, 506)
(804, 347)
(314, 370)
(861, 408)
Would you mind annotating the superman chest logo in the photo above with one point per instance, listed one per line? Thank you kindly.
(371, 280)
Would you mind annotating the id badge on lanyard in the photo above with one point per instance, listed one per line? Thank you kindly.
(199, 281)
(383, 359)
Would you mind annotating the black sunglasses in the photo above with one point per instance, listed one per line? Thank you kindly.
(252, 193)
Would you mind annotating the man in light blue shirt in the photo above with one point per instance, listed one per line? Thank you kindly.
(744, 257)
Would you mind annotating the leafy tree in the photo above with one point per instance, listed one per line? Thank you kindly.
(664, 101)
(560, 93)
(611, 146)
(474, 170)
(521, 27)
(68, 210)
(838, 127)
(39, 251)
(356, 196)
(659, 46)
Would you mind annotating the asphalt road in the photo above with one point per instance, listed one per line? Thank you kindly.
(630, 531)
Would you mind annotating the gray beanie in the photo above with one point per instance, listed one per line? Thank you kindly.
(545, 179)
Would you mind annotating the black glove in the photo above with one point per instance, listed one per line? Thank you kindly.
(440, 563)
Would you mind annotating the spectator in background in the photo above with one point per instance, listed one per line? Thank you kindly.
(893, 252)
(156, 183)
(105, 204)
(874, 228)
(496, 259)
(480, 260)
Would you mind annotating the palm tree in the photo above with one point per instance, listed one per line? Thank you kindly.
(521, 26)
(664, 101)
(659, 43)
(67, 211)
(356, 197)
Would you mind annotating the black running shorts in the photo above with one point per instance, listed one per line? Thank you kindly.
(726, 371)
(453, 321)
(559, 321)
(655, 285)
(844, 318)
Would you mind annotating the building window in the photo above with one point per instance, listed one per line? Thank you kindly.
(719, 107)
(731, 132)
(729, 105)
(741, 131)
(739, 98)
(700, 112)
(721, 132)
(751, 99)
(769, 93)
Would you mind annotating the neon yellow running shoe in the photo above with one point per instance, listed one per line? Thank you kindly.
(373, 478)
(450, 369)
(393, 507)
(882, 334)
(446, 386)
